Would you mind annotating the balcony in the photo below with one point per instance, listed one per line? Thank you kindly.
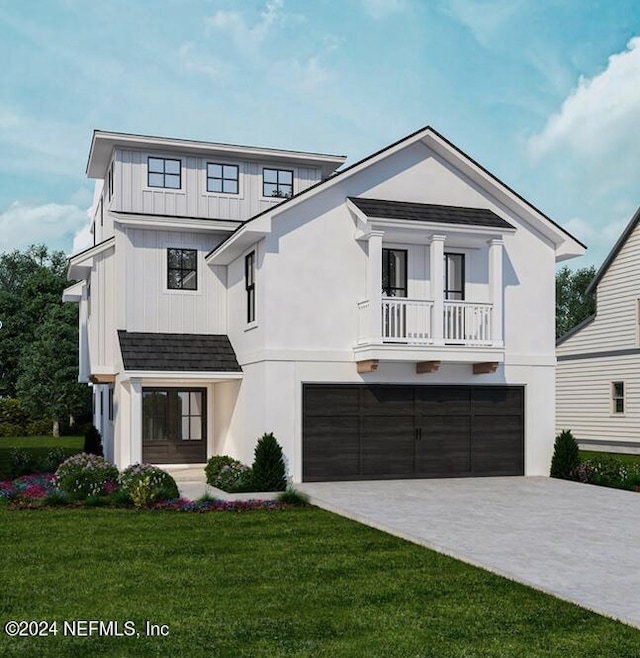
(413, 322)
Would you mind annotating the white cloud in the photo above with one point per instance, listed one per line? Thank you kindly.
(53, 224)
(485, 18)
(195, 61)
(600, 116)
(245, 36)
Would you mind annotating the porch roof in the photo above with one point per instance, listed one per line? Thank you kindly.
(428, 212)
(177, 352)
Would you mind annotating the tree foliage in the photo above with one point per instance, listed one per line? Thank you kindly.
(269, 471)
(47, 383)
(573, 304)
(566, 456)
(31, 283)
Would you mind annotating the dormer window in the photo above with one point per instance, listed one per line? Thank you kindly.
(277, 183)
(164, 172)
(222, 178)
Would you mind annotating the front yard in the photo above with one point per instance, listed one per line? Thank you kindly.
(299, 582)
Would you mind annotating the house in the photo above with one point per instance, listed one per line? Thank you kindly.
(598, 372)
(390, 319)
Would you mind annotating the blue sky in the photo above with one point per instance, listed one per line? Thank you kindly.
(546, 95)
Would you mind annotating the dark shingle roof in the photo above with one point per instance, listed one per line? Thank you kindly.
(428, 212)
(177, 352)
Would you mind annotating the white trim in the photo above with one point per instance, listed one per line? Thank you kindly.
(74, 293)
(169, 244)
(175, 375)
(181, 223)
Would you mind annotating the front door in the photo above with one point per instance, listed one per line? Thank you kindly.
(174, 425)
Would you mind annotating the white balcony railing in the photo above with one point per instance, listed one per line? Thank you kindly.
(411, 321)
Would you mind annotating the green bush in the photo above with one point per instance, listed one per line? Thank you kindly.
(84, 475)
(23, 461)
(292, 497)
(93, 442)
(16, 421)
(269, 472)
(228, 474)
(147, 483)
(566, 456)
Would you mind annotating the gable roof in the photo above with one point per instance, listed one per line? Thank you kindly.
(431, 138)
(177, 352)
(429, 212)
(626, 234)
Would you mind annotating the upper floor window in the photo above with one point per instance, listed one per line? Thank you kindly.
(163, 172)
(250, 285)
(277, 182)
(394, 272)
(454, 276)
(110, 182)
(182, 269)
(222, 178)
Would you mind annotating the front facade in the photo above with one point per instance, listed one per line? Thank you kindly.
(393, 319)
(598, 373)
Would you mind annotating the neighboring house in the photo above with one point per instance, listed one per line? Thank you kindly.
(394, 319)
(598, 372)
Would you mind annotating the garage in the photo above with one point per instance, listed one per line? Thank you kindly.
(392, 431)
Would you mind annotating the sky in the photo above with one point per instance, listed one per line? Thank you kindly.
(545, 95)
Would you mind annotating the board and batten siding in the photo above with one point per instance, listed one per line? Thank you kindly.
(151, 307)
(583, 383)
(101, 312)
(192, 200)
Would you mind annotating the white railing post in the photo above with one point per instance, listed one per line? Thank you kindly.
(495, 288)
(374, 285)
(436, 256)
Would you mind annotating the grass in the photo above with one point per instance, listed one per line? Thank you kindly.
(301, 582)
(36, 445)
(594, 455)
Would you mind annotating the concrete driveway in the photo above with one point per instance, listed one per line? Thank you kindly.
(576, 541)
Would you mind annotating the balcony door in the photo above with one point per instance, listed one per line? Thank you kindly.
(394, 284)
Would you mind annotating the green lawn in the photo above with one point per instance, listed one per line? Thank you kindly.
(593, 455)
(38, 446)
(301, 582)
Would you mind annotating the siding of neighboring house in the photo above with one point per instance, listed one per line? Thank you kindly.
(192, 200)
(584, 384)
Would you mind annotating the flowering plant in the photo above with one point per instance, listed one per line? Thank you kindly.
(146, 483)
(227, 473)
(84, 475)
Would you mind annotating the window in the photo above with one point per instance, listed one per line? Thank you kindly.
(110, 401)
(222, 178)
(277, 182)
(163, 172)
(173, 414)
(394, 272)
(182, 269)
(617, 395)
(454, 276)
(110, 182)
(250, 285)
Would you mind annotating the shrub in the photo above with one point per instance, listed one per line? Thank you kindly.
(84, 475)
(292, 497)
(584, 472)
(228, 474)
(93, 442)
(146, 484)
(53, 459)
(566, 457)
(21, 462)
(269, 472)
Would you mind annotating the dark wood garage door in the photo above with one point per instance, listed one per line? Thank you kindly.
(357, 431)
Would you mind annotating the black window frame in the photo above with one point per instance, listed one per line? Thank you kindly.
(222, 178)
(387, 261)
(448, 291)
(110, 182)
(164, 172)
(278, 193)
(250, 285)
(184, 271)
(166, 423)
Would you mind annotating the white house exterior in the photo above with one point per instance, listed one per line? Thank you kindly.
(598, 372)
(394, 319)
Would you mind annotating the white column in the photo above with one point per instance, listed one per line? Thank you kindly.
(135, 420)
(495, 288)
(436, 256)
(374, 284)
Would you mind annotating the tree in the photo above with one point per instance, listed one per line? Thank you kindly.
(573, 304)
(269, 472)
(48, 366)
(31, 282)
(566, 456)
